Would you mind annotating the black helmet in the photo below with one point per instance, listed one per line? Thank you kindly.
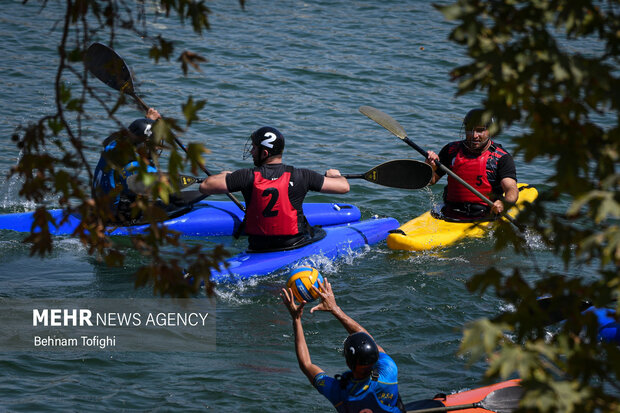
(473, 119)
(142, 129)
(360, 350)
(267, 138)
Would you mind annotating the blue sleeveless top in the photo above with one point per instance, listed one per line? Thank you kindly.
(106, 179)
(366, 394)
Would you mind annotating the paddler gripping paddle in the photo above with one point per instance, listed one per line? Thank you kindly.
(106, 65)
(393, 126)
(505, 400)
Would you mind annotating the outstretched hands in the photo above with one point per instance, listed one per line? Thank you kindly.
(328, 303)
(328, 300)
(296, 310)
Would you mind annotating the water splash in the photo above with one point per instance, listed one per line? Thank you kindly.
(9, 193)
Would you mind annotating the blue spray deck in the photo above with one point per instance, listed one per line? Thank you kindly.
(339, 240)
(207, 218)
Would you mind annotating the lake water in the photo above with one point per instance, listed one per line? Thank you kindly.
(305, 68)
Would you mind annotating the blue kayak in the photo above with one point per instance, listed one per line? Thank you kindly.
(207, 218)
(339, 240)
(608, 327)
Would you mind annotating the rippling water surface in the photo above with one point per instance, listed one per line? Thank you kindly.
(305, 68)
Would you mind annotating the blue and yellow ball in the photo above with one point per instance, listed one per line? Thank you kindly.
(301, 281)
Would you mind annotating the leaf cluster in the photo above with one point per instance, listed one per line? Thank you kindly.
(551, 66)
(54, 164)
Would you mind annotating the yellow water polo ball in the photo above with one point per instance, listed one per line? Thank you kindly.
(301, 281)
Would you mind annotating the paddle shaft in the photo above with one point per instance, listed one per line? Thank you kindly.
(448, 408)
(348, 176)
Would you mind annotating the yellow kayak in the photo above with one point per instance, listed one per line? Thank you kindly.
(426, 232)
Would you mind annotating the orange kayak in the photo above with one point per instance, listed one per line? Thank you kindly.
(503, 396)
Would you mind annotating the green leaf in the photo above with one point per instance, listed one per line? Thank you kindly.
(64, 93)
(163, 50)
(55, 125)
(75, 105)
(194, 154)
(450, 12)
(559, 72)
(190, 109)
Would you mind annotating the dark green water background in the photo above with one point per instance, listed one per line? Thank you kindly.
(305, 68)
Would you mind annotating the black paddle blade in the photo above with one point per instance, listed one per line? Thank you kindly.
(186, 180)
(504, 400)
(106, 65)
(401, 173)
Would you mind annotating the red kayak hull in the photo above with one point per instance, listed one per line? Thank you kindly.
(464, 397)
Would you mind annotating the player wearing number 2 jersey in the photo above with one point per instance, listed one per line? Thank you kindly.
(274, 192)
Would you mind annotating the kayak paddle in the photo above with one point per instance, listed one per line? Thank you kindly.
(504, 400)
(106, 65)
(400, 173)
(184, 181)
(393, 126)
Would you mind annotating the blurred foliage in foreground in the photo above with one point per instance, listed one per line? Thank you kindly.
(552, 66)
(54, 164)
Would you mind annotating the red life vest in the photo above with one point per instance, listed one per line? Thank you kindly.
(270, 211)
(474, 171)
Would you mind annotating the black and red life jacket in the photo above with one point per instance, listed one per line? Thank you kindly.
(476, 171)
(270, 211)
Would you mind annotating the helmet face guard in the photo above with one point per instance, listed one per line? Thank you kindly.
(473, 123)
(247, 149)
(265, 138)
